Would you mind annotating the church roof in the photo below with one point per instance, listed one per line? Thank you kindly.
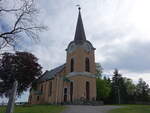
(51, 74)
(80, 37)
(79, 33)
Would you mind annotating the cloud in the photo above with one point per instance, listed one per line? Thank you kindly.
(108, 25)
(133, 56)
(118, 29)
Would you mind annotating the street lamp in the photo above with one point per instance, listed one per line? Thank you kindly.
(118, 94)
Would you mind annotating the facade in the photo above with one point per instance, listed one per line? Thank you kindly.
(73, 81)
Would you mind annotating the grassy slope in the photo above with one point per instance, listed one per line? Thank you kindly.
(132, 109)
(36, 109)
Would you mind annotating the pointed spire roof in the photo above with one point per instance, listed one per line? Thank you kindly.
(79, 34)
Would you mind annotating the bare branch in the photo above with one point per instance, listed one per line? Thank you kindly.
(23, 25)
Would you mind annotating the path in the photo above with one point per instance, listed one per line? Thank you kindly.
(89, 109)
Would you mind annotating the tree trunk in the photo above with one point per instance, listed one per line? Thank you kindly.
(12, 98)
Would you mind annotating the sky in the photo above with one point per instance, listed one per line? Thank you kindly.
(118, 29)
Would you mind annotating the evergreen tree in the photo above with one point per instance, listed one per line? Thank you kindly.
(119, 92)
(142, 91)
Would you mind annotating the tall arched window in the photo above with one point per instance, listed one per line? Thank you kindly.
(72, 65)
(87, 65)
(41, 88)
(50, 88)
(88, 90)
(71, 91)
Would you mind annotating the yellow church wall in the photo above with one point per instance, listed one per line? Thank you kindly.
(79, 56)
(80, 87)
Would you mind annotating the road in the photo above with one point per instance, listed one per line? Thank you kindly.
(89, 109)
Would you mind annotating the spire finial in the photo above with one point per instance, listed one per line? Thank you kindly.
(79, 34)
(79, 8)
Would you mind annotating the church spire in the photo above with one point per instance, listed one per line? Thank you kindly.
(79, 34)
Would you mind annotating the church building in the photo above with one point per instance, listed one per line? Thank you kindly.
(73, 81)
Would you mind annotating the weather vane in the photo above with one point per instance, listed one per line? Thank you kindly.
(78, 6)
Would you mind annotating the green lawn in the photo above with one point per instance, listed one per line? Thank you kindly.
(36, 109)
(132, 109)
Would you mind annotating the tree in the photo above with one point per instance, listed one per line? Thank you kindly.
(119, 91)
(103, 89)
(23, 25)
(22, 67)
(99, 70)
(130, 90)
(142, 91)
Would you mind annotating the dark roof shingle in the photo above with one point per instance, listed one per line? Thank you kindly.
(51, 74)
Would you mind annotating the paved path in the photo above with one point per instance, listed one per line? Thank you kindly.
(89, 109)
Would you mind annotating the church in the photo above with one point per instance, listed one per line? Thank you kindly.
(73, 81)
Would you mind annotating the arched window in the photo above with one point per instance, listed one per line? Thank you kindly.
(71, 91)
(87, 65)
(38, 98)
(50, 88)
(87, 90)
(41, 88)
(72, 65)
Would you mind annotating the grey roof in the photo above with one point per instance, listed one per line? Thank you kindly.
(51, 74)
(79, 34)
(80, 37)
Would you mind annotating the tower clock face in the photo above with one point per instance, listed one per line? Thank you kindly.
(87, 47)
(71, 47)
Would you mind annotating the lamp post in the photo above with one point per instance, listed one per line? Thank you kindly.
(118, 93)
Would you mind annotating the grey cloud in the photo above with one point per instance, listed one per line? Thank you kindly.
(135, 58)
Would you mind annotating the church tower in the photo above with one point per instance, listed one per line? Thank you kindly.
(80, 65)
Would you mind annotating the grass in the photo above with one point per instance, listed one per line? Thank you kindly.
(132, 109)
(36, 109)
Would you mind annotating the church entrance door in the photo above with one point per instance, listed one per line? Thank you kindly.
(65, 94)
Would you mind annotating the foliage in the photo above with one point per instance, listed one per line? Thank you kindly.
(99, 70)
(103, 85)
(36, 109)
(124, 91)
(142, 91)
(132, 109)
(103, 89)
(118, 87)
(130, 86)
(20, 66)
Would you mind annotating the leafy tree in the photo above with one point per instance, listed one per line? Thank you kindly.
(103, 89)
(20, 66)
(99, 70)
(131, 89)
(130, 86)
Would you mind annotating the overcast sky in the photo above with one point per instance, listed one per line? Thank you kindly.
(118, 29)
